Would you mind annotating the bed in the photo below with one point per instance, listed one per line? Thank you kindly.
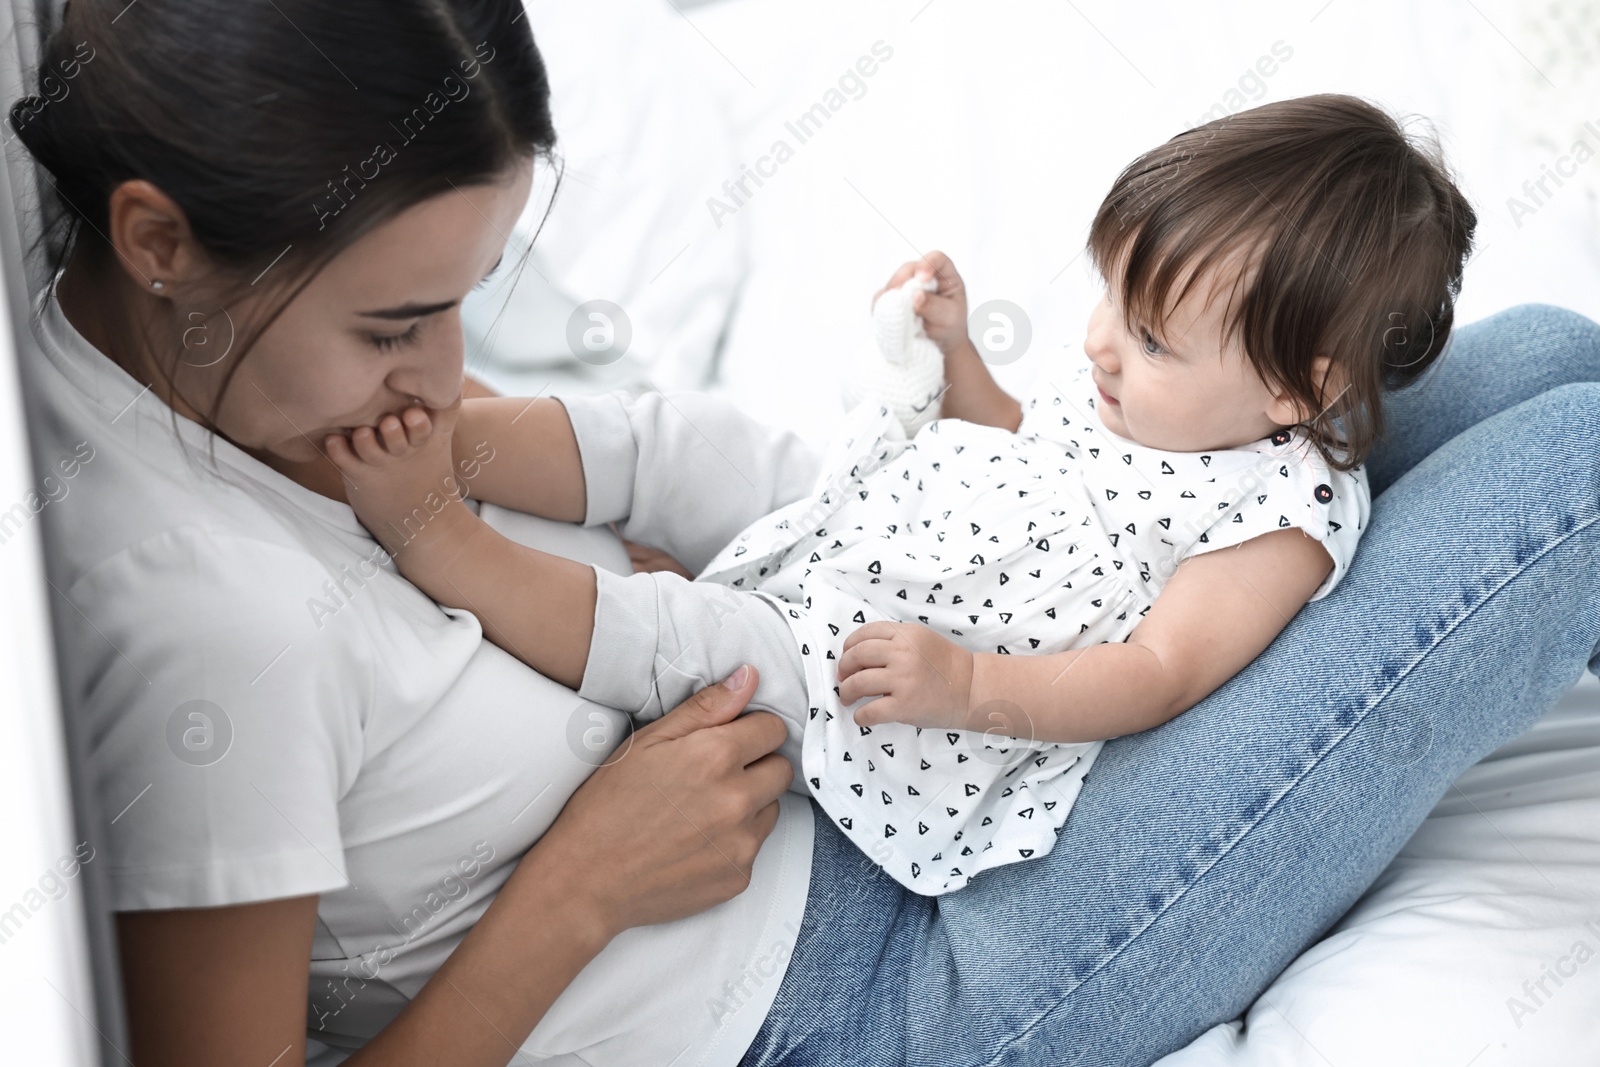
(990, 131)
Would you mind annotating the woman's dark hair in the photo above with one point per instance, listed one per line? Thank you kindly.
(1354, 237)
(284, 129)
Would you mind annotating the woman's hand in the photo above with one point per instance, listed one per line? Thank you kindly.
(670, 825)
(918, 677)
(646, 559)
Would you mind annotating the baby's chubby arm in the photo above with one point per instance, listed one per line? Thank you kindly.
(971, 393)
(1215, 615)
(522, 454)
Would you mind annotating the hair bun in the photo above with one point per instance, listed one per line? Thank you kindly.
(33, 133)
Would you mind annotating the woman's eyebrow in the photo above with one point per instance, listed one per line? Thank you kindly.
(409, 311)
(418, 311)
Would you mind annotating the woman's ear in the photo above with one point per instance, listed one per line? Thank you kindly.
(152, 237)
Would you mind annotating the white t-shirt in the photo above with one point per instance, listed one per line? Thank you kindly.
(268, 709)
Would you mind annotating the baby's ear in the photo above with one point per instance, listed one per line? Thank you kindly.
(1329, 379)
(1326, 378)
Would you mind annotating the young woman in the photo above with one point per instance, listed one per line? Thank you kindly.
(327, 798)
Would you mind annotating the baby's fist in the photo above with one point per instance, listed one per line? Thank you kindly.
(918, 677)
(943, 310)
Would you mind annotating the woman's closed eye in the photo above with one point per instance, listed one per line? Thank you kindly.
(386, 342)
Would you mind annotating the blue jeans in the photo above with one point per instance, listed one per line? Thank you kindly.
(1203, 856)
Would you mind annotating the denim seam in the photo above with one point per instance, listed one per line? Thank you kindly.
(1399, 679)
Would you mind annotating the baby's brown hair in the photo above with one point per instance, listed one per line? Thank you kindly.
(1355, 238)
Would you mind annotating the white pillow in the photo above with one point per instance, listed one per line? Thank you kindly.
(1480, 943)
(643, 140)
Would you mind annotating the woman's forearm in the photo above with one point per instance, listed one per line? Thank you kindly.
(491, 992)
(1084, 694)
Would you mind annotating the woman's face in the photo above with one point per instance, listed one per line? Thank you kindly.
(378, 326)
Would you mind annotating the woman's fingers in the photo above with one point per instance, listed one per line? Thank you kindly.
(754, 736)
(715, 705)
(763, 821)
(646, 559)
(770, 776)
(672, 827)
(715, 710)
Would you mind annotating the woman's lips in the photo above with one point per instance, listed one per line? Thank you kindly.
(1107, 397)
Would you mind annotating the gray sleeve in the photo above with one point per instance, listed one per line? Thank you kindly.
(684, 472)
(659, 638)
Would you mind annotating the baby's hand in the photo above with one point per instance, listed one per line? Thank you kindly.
(943, 311)
(919, 677)
(398, 475)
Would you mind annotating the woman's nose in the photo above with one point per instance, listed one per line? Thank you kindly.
(434, 375)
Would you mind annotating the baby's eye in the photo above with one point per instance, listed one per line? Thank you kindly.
(390, 341)
(1149, 343)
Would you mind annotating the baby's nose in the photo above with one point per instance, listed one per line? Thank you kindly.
(1100, 353)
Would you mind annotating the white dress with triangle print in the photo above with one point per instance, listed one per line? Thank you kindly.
(1056, 537)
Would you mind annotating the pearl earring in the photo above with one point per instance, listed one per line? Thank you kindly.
(157, 283)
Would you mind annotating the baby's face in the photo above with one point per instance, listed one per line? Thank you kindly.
(1175, 386)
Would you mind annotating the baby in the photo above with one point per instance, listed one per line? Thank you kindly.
(954, 623)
